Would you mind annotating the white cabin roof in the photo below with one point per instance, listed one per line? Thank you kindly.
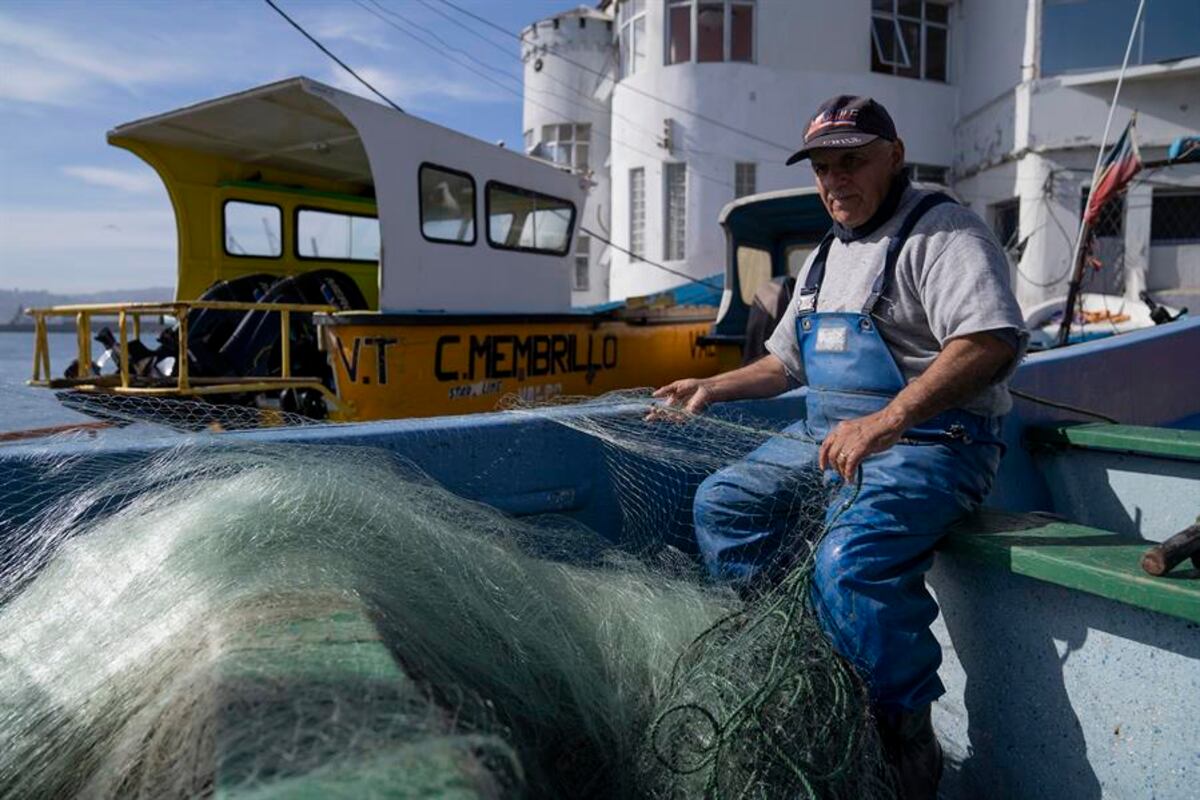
(281, 124)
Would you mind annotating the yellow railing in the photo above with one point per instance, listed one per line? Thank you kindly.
(182, 384)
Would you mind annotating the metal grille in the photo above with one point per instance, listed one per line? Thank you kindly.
(745, 179)
(676, 211)
(637, 212)
(583, 246)
(1175, 217)
(1105, 267)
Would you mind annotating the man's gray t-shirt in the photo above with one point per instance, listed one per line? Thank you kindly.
(952, 279)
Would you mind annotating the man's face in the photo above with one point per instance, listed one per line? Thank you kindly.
(852, 182)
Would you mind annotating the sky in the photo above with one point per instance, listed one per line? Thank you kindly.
(77, 215)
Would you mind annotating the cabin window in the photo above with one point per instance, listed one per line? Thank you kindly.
(909, 38)
(754, 269)
(336, 237)
(583, 246)
(675, 211)
(253, 230)
(795, 256)
(745, 179)
(522, 219)
(447, 205)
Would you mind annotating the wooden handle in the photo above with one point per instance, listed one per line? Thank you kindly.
(1162, 558)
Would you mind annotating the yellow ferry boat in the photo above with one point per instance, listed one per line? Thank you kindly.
(345, 260)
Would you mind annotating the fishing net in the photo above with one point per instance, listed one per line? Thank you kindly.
(228, 618)
(180, 414)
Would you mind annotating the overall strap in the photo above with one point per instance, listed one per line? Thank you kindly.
(896, 243)
(812, 281)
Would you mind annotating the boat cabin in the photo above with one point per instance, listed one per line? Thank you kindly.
(298, 176)
(768, 237)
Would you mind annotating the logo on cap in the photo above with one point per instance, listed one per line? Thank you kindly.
(831, 118)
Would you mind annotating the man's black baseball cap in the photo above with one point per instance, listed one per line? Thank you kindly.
(846, 121)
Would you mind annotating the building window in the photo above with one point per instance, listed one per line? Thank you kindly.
(522, 219)
(336, 237)
(447, 205)
(675, 211)
(909, 38)
(1111, 222)
(637, 213)
(583, 246)
(723, 30)
(1175, 217)
(1070, 43)
(567, 144)
(631, 30)
(253, 229)
(928, 173)
(745, 179)
(679, 31)
(1006, 222)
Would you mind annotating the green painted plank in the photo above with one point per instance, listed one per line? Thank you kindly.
(1137, 439)
(1076, 557)
(312, 704)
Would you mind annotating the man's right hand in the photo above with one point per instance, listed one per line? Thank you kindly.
(692, 395)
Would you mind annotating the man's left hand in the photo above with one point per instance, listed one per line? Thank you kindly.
(848, 444)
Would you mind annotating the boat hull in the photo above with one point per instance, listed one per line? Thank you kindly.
(397, 366)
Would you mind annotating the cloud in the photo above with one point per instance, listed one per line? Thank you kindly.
(341, 28)
(43, 65)
(134, 181)
(415, 90)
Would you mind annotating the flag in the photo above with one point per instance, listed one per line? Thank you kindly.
(1122, 163)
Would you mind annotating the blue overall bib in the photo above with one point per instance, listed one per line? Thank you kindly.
(869, 578)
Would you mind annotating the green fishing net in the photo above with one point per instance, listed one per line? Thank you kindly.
(241, 620)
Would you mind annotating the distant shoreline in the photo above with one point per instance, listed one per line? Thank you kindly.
(69, 327)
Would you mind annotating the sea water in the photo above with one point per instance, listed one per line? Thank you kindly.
(23, 406)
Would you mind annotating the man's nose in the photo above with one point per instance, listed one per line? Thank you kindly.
(835, 177)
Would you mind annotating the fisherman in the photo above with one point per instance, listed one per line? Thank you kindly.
(905, 330)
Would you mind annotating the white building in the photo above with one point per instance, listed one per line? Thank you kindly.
(569, 74)
(707, 98)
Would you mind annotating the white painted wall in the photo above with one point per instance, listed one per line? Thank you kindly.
(562, 92)
(987, 44)
(802, 59)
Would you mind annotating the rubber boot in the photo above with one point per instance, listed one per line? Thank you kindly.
(913, 751)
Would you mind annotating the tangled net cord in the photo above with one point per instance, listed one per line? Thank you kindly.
(793, 672)
(759, 704)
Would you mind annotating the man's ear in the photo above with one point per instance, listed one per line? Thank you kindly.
(897, 155)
